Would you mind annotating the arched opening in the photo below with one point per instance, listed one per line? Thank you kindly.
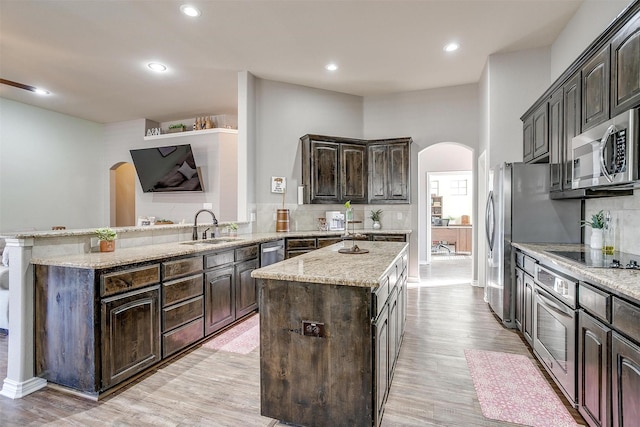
(122, 195)
(446, 220)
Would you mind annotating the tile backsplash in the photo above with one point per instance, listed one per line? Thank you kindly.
(625, 213)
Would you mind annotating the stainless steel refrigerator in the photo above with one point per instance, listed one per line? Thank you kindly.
(519, 210)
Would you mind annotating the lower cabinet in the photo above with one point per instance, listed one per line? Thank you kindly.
(593, 370)
(527, 315)
(246, 291)
(625, 379)
(519, 277)
(130, 326)
(219, 299)
(381, 349)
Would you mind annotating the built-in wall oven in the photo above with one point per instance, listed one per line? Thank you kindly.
(554, 327)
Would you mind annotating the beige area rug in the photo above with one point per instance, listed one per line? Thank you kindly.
(243, 338)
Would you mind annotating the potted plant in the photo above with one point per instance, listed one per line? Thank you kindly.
(596, 224)
(233, 229)
(178, 127)
(349, 211)
(375, 217)
(107, 237)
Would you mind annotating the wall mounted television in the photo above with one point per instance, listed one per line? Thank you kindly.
(165, 169)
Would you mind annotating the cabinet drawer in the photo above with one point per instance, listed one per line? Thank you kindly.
(520, 259)
(529, 265)
(182, 313)
(291, 254)
(626, 318)
(181, 289)
(248, 252)
(181, 267)
(388, 238)
(128, 280)
(301, 243)
(595, 301)
(328, 241)
(221, 258)
(181, 337)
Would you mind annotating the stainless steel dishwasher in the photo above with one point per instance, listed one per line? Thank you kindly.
(271, 252)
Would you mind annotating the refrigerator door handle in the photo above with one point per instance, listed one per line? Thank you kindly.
(490, 221)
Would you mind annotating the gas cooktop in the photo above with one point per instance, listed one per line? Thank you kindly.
(595, 258)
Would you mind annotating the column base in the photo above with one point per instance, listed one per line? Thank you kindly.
(16, 390)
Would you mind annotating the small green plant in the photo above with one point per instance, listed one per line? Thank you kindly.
(597, 221)
(233, 226)
(347, 204)
(375, 215)
(106, 234)
(177, 126)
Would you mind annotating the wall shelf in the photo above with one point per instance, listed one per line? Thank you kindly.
(191, 133)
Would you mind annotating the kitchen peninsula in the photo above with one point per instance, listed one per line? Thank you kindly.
(331, 325)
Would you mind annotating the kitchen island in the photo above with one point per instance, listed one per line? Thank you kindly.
(331, 325)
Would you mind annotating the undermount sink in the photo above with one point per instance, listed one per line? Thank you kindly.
(214, 241)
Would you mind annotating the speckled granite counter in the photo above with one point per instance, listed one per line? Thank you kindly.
(623, 282)
(124, 256)
(328, 266)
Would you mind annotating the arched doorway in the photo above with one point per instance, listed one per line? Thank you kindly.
(122, 195)
(455, 162)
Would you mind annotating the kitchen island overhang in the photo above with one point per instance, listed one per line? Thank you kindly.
(331, 325)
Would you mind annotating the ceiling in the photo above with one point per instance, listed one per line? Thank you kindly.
(92, 55)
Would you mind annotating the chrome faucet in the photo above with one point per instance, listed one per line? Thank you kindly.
(195, 223)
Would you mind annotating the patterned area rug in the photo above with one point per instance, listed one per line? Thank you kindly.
(242, 338)
(510, 388)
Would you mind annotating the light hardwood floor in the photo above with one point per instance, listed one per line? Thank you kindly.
(431, 387)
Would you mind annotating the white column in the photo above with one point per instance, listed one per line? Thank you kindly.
(21, 378)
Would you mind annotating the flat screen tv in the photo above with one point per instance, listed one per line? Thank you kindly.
(164, 169)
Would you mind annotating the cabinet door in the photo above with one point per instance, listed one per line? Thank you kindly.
(353, 173)
(528, 309)
(541, 131)
(130, 334)
(527, 139)
(378, 172)
(625, 378)
(593, 370)
(246, 291)
(572, 125)
(324, 172)
(519, 297)
(219, 306)
(398, 172)
(625, 67)
(595, 89)
(556, 139)
(381, 347)
(394, 333)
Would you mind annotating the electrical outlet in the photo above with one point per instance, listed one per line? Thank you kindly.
(253, 216)
(399, 215)
(312, 329)
(207, 206)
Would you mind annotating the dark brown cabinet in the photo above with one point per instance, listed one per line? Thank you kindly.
(527, 315)
(593, 370)
(246, 291)
(527, 139)
(572, 126)
(625, 376)
(595, 89)
(130, 326)
(389, 171)
(535, 134)
(219, 299)
(625, 67)
(381, 361)
(556, 139)
(334, 169)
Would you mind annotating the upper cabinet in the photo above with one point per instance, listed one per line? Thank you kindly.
(336, 170)
(625, 67)
(602, 83)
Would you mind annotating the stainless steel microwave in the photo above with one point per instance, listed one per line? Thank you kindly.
(608, 153)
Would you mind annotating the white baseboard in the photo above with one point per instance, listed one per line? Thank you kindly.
(16, 390)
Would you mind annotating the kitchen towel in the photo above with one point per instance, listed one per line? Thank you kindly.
(510, 388)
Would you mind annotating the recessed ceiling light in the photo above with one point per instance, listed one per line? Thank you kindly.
(30, 88)
(155, 66)
(451, 47)
(331, 67)
(190, 10)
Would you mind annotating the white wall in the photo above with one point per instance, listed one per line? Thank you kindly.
(47, 159)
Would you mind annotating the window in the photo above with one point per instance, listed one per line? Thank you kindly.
(459, 187)
(435, 188)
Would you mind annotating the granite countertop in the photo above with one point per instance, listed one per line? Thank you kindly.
(619, 281)
(328, 266)
(124, 256)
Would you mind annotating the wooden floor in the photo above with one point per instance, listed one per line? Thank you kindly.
(431, 387)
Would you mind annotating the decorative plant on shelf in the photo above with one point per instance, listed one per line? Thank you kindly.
(107, 237)
(597, 221)
(349, 211)
(178, 127)
(375, 217)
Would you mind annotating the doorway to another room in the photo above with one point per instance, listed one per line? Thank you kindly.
(122, 177)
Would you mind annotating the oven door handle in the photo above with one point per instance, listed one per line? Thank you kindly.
(544, 300)
(603, 142)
